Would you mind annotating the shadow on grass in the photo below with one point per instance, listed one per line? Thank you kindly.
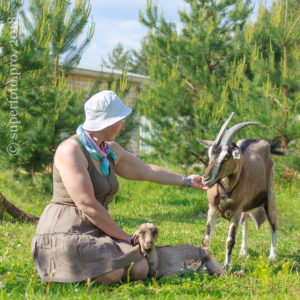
(158, 218)
(132, 221)
(9, 219)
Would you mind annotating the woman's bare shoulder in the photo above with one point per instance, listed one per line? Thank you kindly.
(69, 149)
(68, 146)
(115, 146)
(117, 149)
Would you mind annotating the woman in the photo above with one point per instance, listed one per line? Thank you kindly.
(76, 238)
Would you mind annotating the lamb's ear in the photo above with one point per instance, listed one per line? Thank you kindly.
(135, 237)
(205, 143)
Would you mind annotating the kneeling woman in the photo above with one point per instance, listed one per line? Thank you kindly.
(76, 238)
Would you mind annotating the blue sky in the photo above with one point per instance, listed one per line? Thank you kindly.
(118, 21)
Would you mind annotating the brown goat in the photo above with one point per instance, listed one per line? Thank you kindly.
(242, 179)
(170, 260)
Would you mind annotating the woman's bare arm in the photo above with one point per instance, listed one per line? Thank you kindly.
(130, 167)
(72, 166)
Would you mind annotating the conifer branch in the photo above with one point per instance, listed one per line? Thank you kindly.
(189, 85)
(27, 107)
(197, 156)
(279, 131)
(292, 27)
(3, 85)
(276, 100)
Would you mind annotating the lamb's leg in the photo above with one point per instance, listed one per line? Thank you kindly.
(233, 226)
(271, 214)
(211, 264)
(210, 225)
(245, 223)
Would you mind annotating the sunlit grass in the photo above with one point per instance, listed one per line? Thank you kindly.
(174, 211)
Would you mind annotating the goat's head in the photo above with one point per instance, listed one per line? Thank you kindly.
(224, 156)
(147, 234)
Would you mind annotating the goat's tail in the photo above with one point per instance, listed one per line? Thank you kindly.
(274, 151)
(211, 264)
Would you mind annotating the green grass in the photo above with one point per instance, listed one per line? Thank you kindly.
(174, 211)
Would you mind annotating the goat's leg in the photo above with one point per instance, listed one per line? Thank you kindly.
(271, 214)
(230, 241)
(244, 246)
(210, 225)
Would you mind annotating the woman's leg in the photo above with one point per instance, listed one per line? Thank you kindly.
(110, 277)
(138, 271)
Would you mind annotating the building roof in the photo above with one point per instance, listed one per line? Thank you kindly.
(107, 73)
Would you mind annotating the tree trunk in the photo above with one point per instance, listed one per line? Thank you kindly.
(14, 211)
(284, 142)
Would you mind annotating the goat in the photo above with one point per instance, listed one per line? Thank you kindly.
(242, 178)
(166, 261)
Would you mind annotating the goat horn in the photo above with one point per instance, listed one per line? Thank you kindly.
(218, 139)
(229, 135)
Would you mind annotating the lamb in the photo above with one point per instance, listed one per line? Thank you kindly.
(242, 179)
(166, 261)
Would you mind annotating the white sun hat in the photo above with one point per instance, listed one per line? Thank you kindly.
(104, 109)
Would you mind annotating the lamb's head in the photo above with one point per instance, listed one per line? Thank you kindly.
(224, 156)
(147, 234)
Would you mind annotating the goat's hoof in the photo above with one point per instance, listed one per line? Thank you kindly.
(243, 253)
(272, 257)
(205, 243)
(227, 266)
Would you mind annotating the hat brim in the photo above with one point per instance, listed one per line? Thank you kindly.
(99, 125)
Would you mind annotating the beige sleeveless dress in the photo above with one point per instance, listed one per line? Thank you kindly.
(66, 246)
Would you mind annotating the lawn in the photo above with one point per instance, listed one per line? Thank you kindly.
(174, 211)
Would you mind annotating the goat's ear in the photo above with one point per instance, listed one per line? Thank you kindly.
(205, 143)
(236, 154)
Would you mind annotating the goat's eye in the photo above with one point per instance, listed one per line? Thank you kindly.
(227, 157)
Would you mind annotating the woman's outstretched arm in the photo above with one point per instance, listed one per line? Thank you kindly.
(130, 167)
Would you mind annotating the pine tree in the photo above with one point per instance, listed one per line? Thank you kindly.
(139, 60)
(187, 93)
(267, 85)
(8, 80)
(64, 27)
(133, 60)
(118, 59)
(44, 107)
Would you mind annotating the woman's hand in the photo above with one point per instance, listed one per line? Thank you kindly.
(196, 183)
(130, 239)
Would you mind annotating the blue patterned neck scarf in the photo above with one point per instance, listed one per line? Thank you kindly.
(100, 153)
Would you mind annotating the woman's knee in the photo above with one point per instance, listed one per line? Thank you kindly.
(110, 277)
(139, 270)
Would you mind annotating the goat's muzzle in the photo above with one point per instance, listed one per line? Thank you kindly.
(147, 246)
(206, 181)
